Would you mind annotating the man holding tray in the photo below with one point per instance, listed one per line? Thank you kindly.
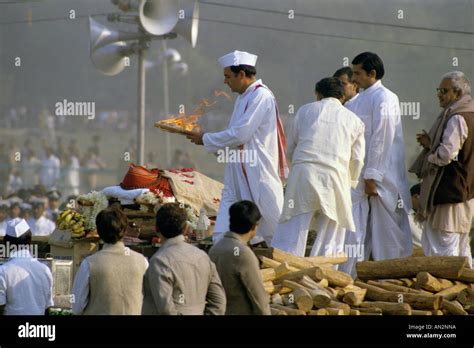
(253, 147)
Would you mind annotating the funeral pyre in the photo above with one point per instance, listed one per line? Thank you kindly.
(434, 285)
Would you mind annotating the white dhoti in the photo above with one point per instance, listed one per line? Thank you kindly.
(438, 242)
(291, 236)
(382, 233)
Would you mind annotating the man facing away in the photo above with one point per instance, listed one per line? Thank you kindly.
(446, 166)
(254, 132)
(110, 282)
(26, 285)
(238, 266)
(181, 278)
(326, 146)
(383, 186)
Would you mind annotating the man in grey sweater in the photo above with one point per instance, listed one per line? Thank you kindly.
(181, 279)
(237, 264)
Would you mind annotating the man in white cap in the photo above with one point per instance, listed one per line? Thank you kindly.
(25, 283)
(253, 147)
(40, 225)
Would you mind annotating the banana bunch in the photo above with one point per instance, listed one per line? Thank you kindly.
(72, 220)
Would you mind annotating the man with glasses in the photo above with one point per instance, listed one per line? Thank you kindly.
(446, 166)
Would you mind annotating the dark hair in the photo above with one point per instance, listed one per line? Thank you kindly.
(247, 69)
(415, 189)
(243, 216)
(111, 225)
(330, 87)
(24, 239)
(370, 61)
(171, 220)
(343, 71)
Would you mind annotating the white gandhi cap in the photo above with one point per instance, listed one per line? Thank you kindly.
(17, 227)
(238, 58)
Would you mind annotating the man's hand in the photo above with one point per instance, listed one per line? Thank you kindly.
(371, 187)
(424, 140)
(196, 138)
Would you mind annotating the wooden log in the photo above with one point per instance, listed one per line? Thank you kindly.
(321, 298)
(334, 311)
(417, 301)
(408, 282)
(353, 295)
(303, 299)
(421, 312)
(282, 269)
(276, 299)
(438, 266)
(288, 310)
(370, 310)
(310, 272)
(452, 292)
(389, 308)
(275, 311)
(466, 297)
(469, 309)
(354, 312)
(318, 260)
(437, 312)
(426, 281)
(283, 290)
(269, 263)
(454, 307)
(339, 305)
(335, 278)
(467, 275)
(320, 311)
(392, 287)
(269, 287)
(393, 281)
(268, 274)
(376, 314)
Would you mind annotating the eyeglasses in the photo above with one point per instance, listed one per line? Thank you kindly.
(443, 90)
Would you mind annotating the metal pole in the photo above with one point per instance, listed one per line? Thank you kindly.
(166, 101)
(141, 107)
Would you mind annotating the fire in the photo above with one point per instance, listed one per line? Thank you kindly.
(189, 123)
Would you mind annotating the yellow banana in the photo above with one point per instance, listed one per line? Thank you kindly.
(77, 227)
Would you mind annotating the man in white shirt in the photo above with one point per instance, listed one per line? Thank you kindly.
(253, 148)
(326, 147)
(383, 186)
(39, 224)
(50, 170)
(26, 285)
(4, 206)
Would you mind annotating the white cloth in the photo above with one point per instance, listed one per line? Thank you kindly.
(348, 104)
(80, 288)
(3, 227)
(124, 196)
(326, 145)
(50, 172)
(441, 243)
(42, 226)
(390, 234)
(329, 239)
(253, 125)
(26, 285)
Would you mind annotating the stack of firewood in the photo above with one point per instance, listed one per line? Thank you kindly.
(435, 285)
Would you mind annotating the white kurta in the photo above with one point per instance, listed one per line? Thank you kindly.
(41, 227)
(386, 232)
(254, 125)
(326, 145)
(50, 172)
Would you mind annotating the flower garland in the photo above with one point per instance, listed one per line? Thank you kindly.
(90, 213)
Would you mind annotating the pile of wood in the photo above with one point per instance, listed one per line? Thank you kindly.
(411, 286)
